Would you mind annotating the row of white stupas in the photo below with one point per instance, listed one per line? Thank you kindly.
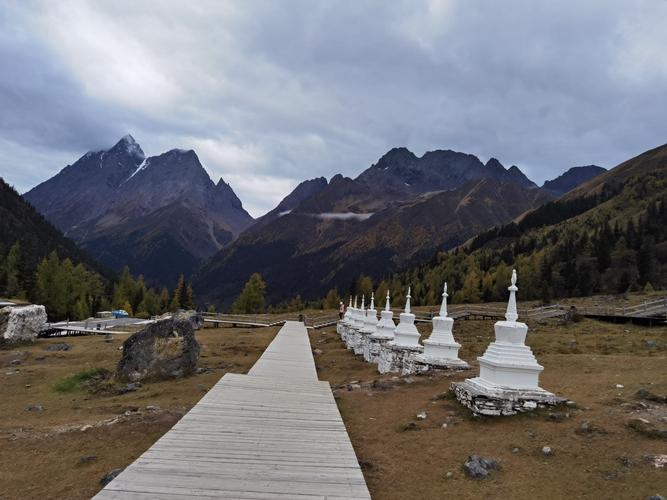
(509, 373)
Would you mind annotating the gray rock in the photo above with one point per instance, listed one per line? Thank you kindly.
(547, 450)
(60, 346)
(625, 461)
(37, 408)
(15, 362)
(651, 344)
(21, 324)
(110, 476)
(131, 387)
(86, 459)
(195, 318)
(163, 350)
(480, 468)
(656, 497)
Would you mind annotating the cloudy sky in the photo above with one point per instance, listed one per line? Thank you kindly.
(269, 93)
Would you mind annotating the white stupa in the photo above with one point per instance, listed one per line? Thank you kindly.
(440, 349)
(385, 327)
(348, 313)
(406, 334)
(371, 319)
(509, 373)
(357, 316)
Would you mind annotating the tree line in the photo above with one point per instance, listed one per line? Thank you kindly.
(73, 291)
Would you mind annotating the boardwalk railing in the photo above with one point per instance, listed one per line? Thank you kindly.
(656, 308)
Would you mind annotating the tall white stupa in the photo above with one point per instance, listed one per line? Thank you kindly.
(406, 334)
(371, 319)
(440, 349)
(509, 374)
(386, 326)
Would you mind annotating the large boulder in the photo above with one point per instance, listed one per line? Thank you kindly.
(21, 324)
(163, 350)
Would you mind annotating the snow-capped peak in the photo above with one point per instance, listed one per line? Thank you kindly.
(132, 146)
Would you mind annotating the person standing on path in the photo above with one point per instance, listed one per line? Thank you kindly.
(341, 310)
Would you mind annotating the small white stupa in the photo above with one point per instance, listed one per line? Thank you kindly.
(440, 349)
(386, 326)
(508, 379)
(357, 318)
(371, 320)
(384, 332)
(406, 334)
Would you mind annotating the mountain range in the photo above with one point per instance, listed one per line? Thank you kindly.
(163, 215)
(159, 215)
(399, 212)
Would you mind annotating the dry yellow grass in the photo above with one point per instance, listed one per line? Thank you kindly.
(42, 450)
(583, 361)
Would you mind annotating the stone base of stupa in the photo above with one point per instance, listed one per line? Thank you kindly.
(484, 398)
(373, 346)
(362, 340)
(399, 359)
(352, 338)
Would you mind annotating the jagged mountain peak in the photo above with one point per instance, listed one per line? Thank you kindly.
(128, 145)
(572, 178)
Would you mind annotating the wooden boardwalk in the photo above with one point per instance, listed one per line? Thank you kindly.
(275, 433)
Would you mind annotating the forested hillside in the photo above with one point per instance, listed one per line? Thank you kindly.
(607, 236)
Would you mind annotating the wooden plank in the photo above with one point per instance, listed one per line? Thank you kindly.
(275, 433)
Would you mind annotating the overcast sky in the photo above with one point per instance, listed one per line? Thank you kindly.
(269, 93)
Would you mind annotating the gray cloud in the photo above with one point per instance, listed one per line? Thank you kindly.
(270, 93)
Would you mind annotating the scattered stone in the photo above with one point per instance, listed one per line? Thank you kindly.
(60, 346)
(204, 369)
(438, 397)
(131, 387)
(86, 427)
(409, 380)
(318, 352)
(37, 408)
(367, 464)
(531, 434)
(609, 475)
(410, 426)
(547, 450)
(649, 396)
(656, 497)
(646, 428)
(657, 461)
(449, 475)
(86, 459)
(153, 408)
(421, 415)
(163, 350)
(516, 450)
(110, 476)
(382, 385)
(28, 386)
(651, 344)
(480, 468)
(625, 461)
(21, 324)
(443, 426)
(619, 386)
(351, 387)
(556, 416)
(590, 428)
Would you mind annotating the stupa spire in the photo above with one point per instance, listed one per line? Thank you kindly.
(363, 302)
(387, 307)
(443, 306)
(372, 300)
(407, 301)
(511, 314)
(355, 301)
